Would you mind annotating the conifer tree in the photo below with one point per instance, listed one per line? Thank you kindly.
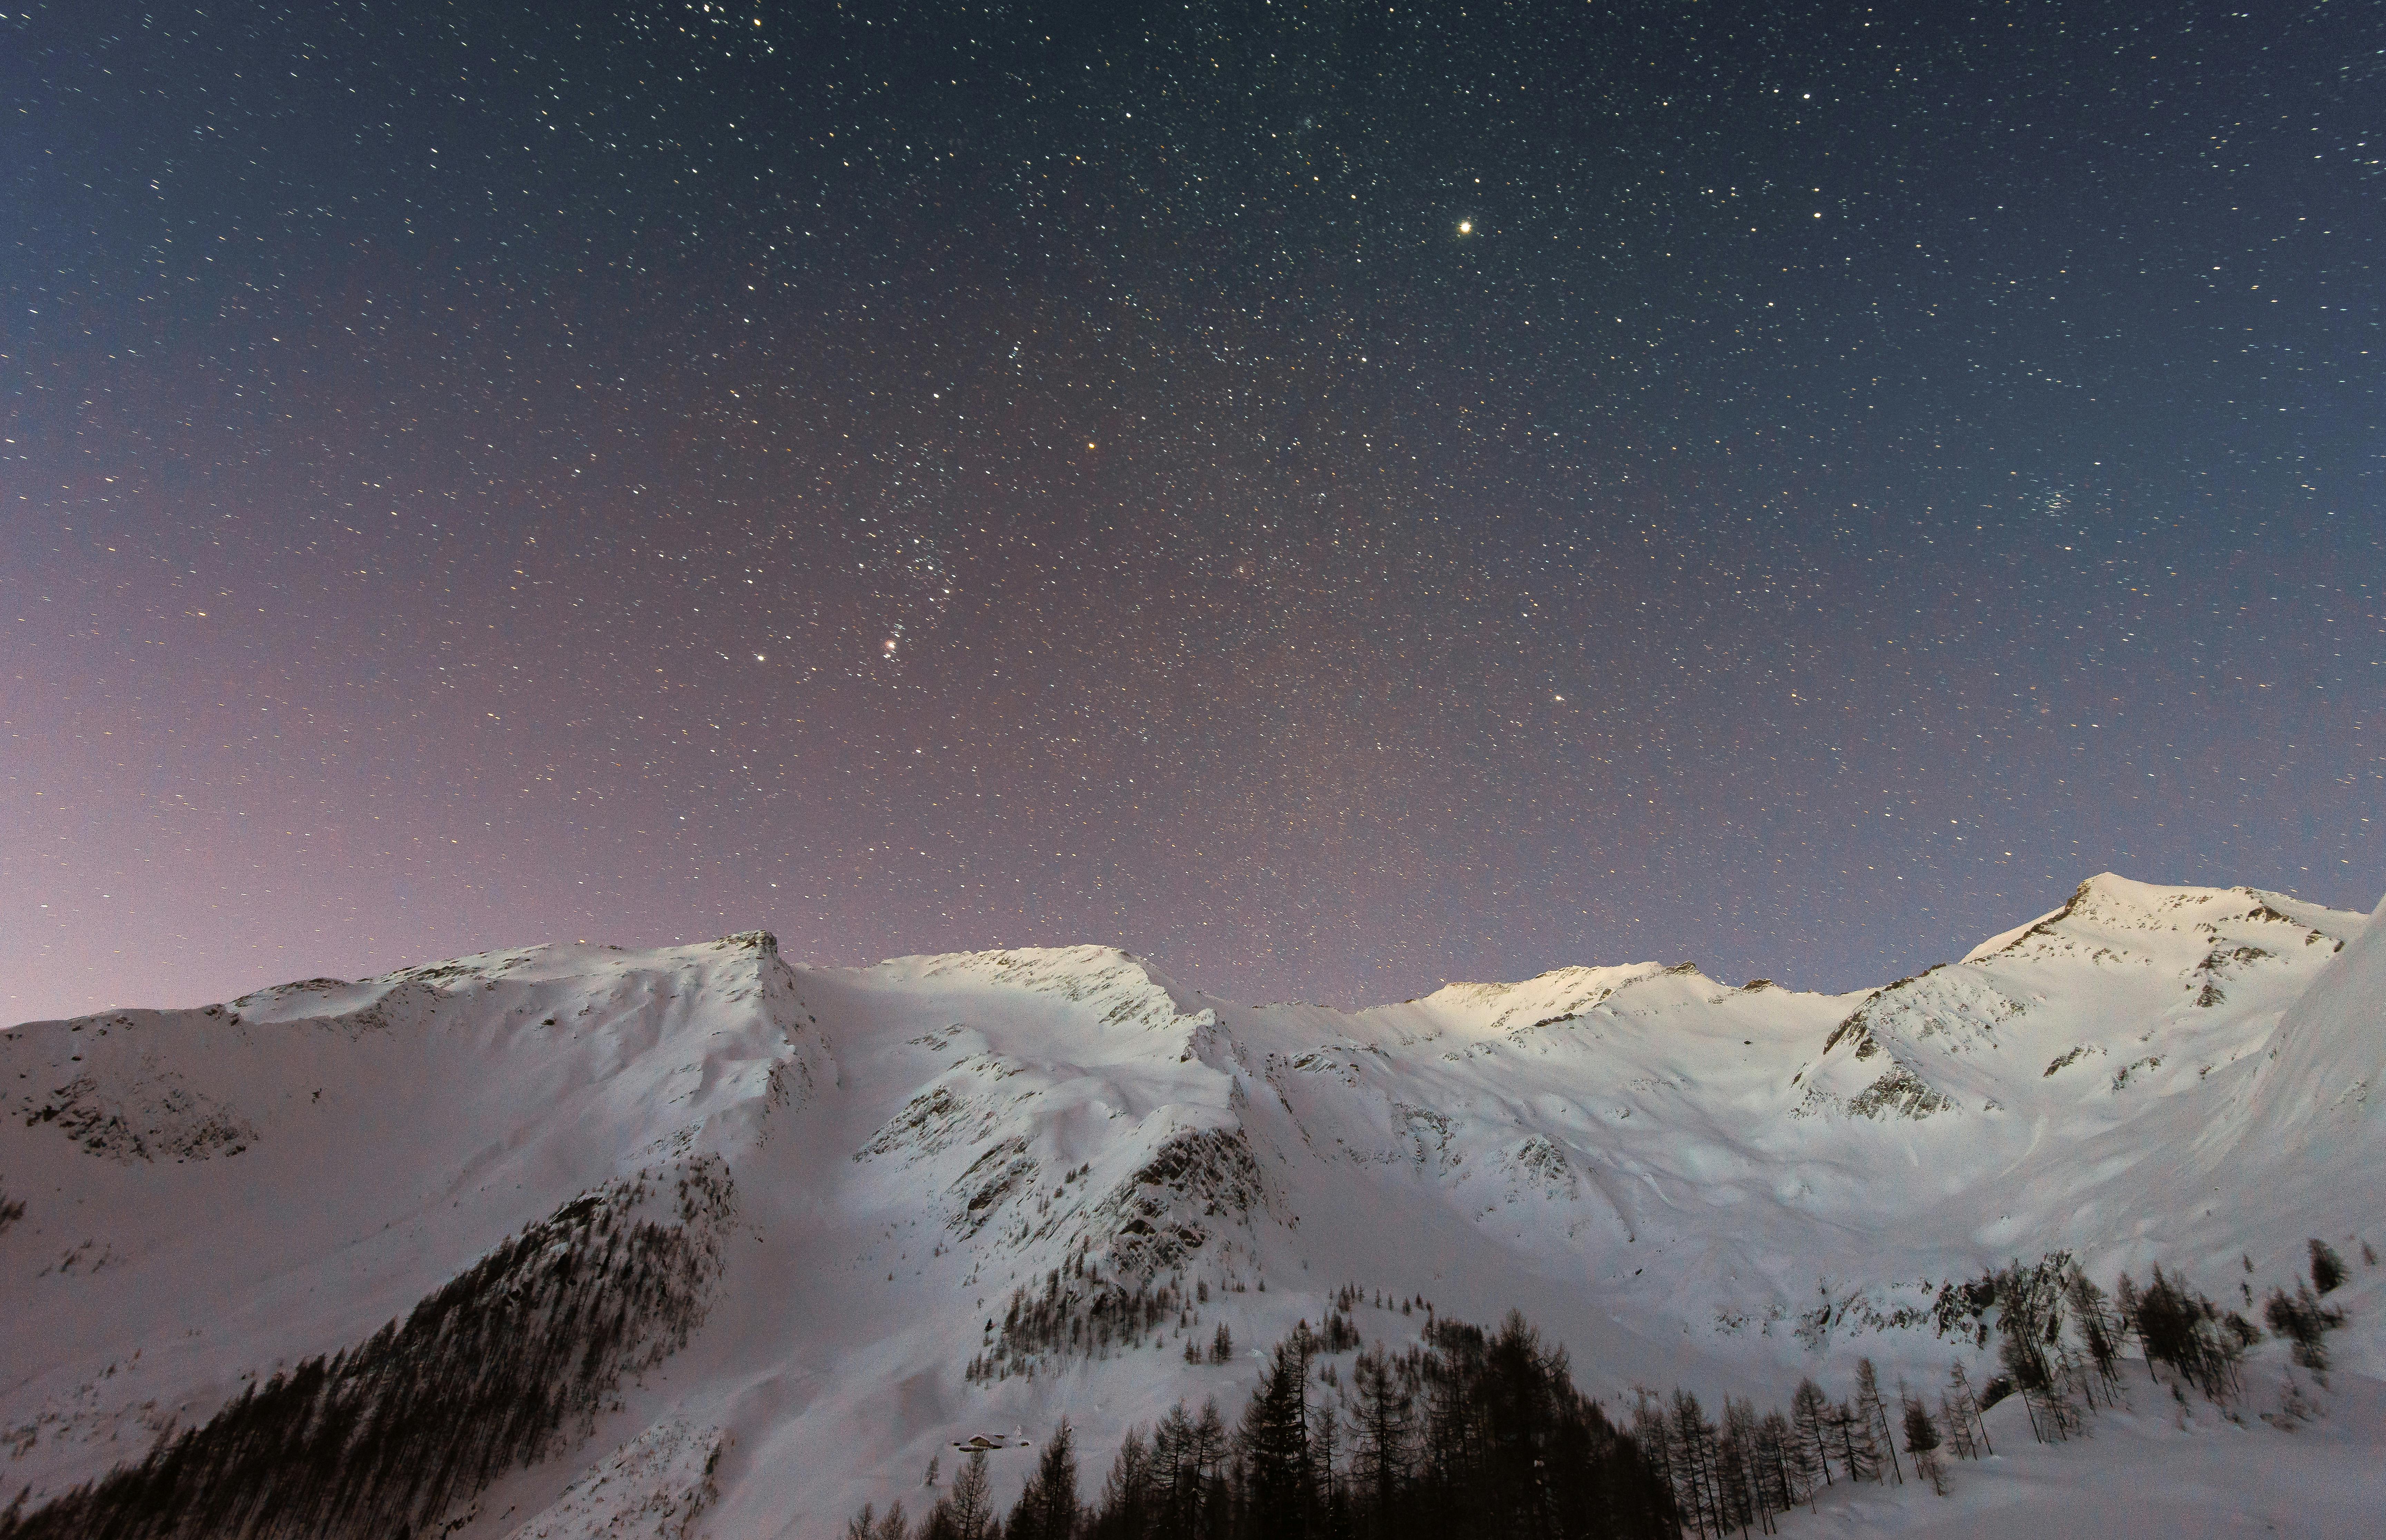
(1508, 1449)
(1524, 1400)
(1190, 1454)
(499, 1367)
(1736, 1466)
(1128, 1491)
(1959, 1387)
(1651, 1431)
(1175, 1478)
(1784, 1485)
(1810, 1420)
(2127, 1302)
(1922, 1440)
(1385, 1402)
(2326, 1267)
(870, 1525)
(966, 1511)
(1274, 1444)
(1958, 1431)
(1324, 1450)
(2025, 1361)
(2180, 1327)
(1874, 1412)
(1048, 1508)
(2304, 1321)
(1859, 1450)
(2100, 1332)
(1692, 1453)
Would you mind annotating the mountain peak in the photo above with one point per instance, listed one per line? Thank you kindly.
(941, 1194)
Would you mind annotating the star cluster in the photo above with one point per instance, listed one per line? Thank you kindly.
(1333, 498)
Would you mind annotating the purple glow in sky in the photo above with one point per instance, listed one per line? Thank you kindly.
(1332, 503)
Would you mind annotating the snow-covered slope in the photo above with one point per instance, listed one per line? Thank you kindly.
(851, 1176)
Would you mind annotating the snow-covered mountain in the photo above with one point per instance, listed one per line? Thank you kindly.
(801, 1205)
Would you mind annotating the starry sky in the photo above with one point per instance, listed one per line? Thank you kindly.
(1331, 497)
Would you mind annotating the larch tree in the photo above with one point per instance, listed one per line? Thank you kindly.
(1810, 1420)
(1874, 1412)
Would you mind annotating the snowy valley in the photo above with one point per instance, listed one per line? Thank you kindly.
(756, 1241)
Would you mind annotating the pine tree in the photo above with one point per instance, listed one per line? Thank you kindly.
(2327, 1268)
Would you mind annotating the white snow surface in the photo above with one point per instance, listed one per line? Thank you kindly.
(1682, 1181)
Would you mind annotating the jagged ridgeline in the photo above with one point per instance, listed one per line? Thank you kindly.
(505, 1364)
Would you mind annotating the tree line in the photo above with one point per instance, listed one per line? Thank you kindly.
(1468, 1435)
(1473, 1433)
(501, 1367)
(1080, 1313)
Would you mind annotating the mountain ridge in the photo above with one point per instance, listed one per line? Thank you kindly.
(1682, 1180)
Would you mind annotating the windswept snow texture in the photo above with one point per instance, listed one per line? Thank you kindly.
(1684, 1181)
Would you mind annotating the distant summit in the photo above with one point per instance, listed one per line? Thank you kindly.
(757, 1240)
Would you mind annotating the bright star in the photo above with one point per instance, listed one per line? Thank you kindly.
(1467, 227)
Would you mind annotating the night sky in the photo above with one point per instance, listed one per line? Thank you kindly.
(1332, 498)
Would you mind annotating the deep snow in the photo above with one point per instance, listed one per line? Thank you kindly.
(1683, 1180)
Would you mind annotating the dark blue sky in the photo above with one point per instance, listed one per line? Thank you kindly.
(1334, 497)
